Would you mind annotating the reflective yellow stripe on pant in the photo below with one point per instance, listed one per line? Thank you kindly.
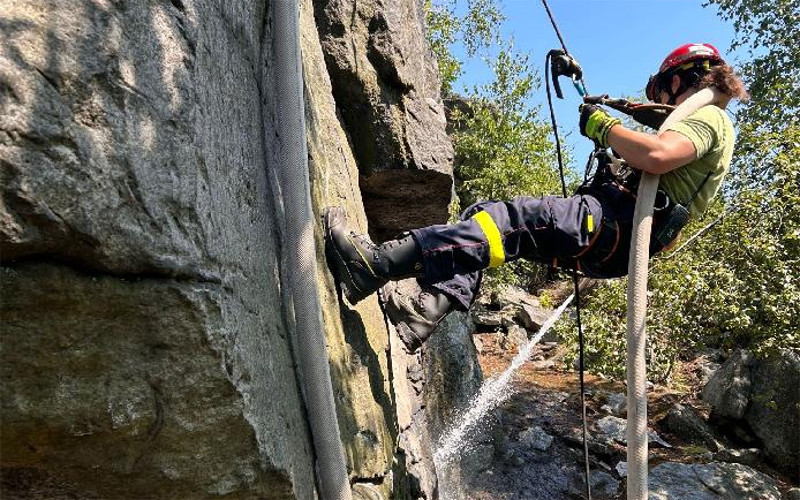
(496, 253)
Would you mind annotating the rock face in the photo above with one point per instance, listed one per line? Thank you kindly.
(386, 87)
(144, 349)
(763, 394)
(147, 347)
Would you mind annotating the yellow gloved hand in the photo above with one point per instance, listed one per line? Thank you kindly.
(595, 123)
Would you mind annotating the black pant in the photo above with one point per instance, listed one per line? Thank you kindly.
(590, 232)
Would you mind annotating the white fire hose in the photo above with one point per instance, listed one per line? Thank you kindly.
(637, 307)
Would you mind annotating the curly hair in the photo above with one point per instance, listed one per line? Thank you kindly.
(725, 79)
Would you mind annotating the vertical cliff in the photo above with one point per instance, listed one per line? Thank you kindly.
(147, 343)
(144, 352)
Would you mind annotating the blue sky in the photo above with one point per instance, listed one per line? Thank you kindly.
(619, 43)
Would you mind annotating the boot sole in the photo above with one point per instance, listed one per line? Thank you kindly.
(342, 273)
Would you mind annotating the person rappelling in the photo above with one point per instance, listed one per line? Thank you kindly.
(589, 232)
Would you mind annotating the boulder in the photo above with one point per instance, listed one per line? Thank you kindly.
(728, 390)
(683, 422)
(453, 375)
(487, 318)
(533, 317)
(615, 428)
(707, 364)
(616, 404)
(523, 308)
(509, 295)
(774, 409)
(714, 481)
(535, 438)
(760, 394)
(452, 378)
(515, 337)
(604, 485)
(145, 347)
(118, 388)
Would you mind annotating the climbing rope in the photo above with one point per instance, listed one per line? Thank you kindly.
(588, 487)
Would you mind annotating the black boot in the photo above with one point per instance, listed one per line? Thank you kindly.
(416, 313)
(361, 266)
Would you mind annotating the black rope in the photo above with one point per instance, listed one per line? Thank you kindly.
(555, 26)
(574, 271)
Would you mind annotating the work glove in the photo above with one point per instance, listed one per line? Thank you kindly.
(595, 123)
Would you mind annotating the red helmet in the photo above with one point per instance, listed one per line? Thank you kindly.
(680, 59)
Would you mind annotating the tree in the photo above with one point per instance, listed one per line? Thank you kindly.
(769, 30)
(477, 29)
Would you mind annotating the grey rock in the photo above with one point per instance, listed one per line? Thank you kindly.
(511, 296)
(136, 385)
(487, 318)
(761, 395)
(728, 391)
(478, 458)
(533, 317)
(622, 469)
(709, 361)
(714, 481)
(686, 424)
(604, 485)
(386, 87)
(536, 438)
(774, 409)
(516, 335)
(545, 364)
(616, 404)
(451, 366)
(615, 428)
(507, 319)
(140, 234)
(746, 456)
(145, 348)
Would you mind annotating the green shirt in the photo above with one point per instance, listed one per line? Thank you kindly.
(711, 131)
